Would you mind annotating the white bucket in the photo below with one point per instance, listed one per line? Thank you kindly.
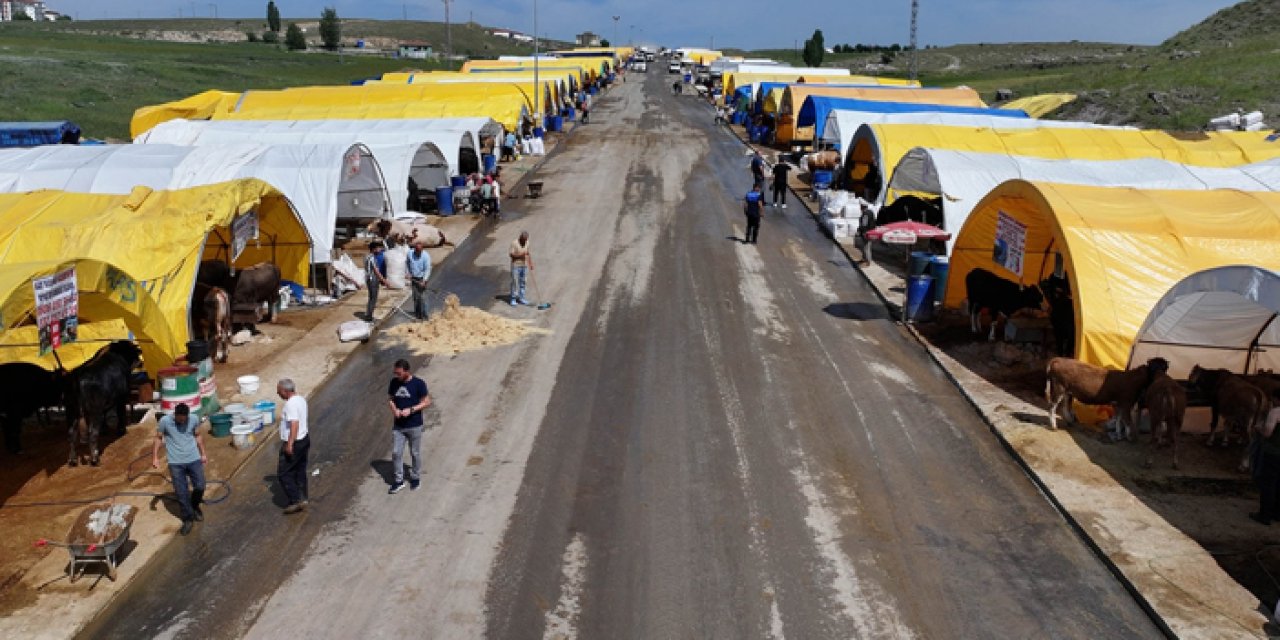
(252, 418)
(248, 384)
(234, 408)
(242, 436)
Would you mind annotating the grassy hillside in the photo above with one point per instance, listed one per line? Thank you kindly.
(1244, 21)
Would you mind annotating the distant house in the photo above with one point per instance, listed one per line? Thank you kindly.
(587, 39)
(34, 9)
(416, 49)
(501, 33)
(520, 37)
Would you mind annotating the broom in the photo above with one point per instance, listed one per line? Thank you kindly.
(542, 306)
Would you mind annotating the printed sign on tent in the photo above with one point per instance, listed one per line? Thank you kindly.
(57, 308)
(352, 161)
(243, 229)
(1011, 243)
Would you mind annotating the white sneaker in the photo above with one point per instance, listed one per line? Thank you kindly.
(784, 205)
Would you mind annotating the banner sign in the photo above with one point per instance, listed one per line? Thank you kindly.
(1011, 243)
(57, 309)
(243, 229)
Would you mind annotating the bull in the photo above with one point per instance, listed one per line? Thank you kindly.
(28, 389)
(253, 286)
(211, 319)
(986, 290)
(97, 387)
(1166, 405)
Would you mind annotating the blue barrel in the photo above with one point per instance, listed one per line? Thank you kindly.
(688, 78)
(822, 179)
(568, 114)
(939, 268)
(490, 163)
(444, 200)
(920, 261)
(458, 181)
(557, 123)
(591, 89)
(753, 133)
(538, 132)
(920, 298)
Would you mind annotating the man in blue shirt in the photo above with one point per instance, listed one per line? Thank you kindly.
(375, 275)
(751, 208)
(419, 264)
(409, 397)
(184, 449)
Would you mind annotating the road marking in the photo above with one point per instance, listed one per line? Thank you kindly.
(562, 622)
(756, 292)
(891, 372)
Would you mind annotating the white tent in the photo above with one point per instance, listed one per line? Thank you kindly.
(1219, 318)
(964, 178)
(780, 69)
(325, 183)
(841, 124)
(442, 147)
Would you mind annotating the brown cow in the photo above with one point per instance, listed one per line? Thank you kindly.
(1241, 405)
(1166, 404)
(211, 319)
(256, 285)
(1066, 378)
(405, 232)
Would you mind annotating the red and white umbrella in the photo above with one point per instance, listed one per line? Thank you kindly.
(907, 232)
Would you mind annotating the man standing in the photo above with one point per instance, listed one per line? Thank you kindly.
(375, 275)
(419, 264)
(409, 397)
(509, 147)
(295, 444)
(184, 450)
(751, 208)
(780, 171)
(521, 263)
(757, 171)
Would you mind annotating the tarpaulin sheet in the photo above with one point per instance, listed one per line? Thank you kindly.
(1041, 105)
(506, 103)
(816, 108)
(787, 102)
(201, 106)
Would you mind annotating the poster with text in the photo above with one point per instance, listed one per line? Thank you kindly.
(57, 308)
(1011, 243)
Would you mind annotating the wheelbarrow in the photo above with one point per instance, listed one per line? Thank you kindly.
(96, 537)
(535, 188)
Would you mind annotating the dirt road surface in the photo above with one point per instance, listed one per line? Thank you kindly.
(714, 440)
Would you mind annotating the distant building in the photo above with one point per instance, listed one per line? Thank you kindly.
(416, 49)
(587, 39)
(501, 33)
(34, 9)
(520, 37)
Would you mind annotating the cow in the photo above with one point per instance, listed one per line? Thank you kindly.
(407, 232)
(97, 387)
(1062, 314)
(1067, 379)
(214, 273)
(27, 389)
(1166, 403)
(257, 284)
(211, 319)
(1240, 404)
(986, 290)
(1267, 382)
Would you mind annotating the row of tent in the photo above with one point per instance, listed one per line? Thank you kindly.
(1170, 242)
(283, 166)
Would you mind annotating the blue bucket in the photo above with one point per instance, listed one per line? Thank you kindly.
(753, 134)
(568, 114)
(490, 163)
(538, 132)
(591, 90)
(822, 179)
(458, 181)
(444, 200)
(940, 267)
(920, 261)
(920, 298)
(557, 123)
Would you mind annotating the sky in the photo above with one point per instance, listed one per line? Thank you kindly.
(742, 24)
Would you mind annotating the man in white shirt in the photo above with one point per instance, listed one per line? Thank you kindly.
(295, 443)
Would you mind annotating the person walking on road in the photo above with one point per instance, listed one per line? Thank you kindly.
(375, 275)
(521, 264)
(409, 397)
(184, 450)
(419, 265)
(295, 444)
(780, 171)
(751, 208)
(757, 171)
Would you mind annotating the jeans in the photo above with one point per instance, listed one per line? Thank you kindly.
(399, 438)
(779, 193)
(420, 307)
(518, 275)
(753, 228)
(182, 474)
(373, 286)
(292, 470)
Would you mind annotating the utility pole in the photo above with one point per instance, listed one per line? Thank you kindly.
(215, 9)
(536, 89)
(448, 32)
(915, 11)
(404, 11)
(614, 42)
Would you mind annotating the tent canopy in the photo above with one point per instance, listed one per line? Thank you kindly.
(157, 238)
(506, 103)
(560, 83)
(402, 147)
(962, 178)
(843, 124)
(1223, 318)
(1041, 105)
(325, 183)
(201, 106)
(816, 109)
(884, 145)
(793, 97)
(1120, 248)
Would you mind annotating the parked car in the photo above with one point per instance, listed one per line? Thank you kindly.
(640, 66)
(673, 67)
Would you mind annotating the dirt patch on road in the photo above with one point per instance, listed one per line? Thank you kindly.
(457, 328)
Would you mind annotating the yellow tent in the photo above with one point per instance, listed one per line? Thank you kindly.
(1041, 105)
(558, 85)
(1122, 249)
(201, 106)
(592, 67)
(508, 104)
(793, 97)
(884, 145)
(156, 238)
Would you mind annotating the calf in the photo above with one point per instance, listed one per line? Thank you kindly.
(986, 290)
(1166, 404)
(98, 386)
(1240, 404)
(1066, 379)
(211, 319)
(256, 285)
(28, 388)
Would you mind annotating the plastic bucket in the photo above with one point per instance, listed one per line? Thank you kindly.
(220, 424)
(241, 436)
(248, 384)
(179, 382)
(822, 177)
(920, 261)
(252, 417)
(557, 123)
(490, 163)
(920, 298)
(268, 409)
(197, 350)
(444, 200)
(939, 268)
(568, 114)
(538, 132)
(753, 134)
(234, 408)
(458, 181)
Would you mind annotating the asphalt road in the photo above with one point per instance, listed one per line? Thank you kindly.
(715, 440)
